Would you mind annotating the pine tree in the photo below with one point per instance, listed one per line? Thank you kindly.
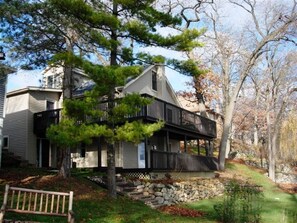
(112, 27)
(112, 30)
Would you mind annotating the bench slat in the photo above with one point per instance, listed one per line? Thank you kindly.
(12, 198)
(58, 204)
(40, 203)
(30, 201)
(52, 203)
(18, 202)
(24, 201)
(63, 205)
(35, 202)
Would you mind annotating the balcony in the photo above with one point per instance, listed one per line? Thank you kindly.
(174, 117)
(43, 120)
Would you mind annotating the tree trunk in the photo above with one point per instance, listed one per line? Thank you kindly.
(67, 94)
(225, 134)
(111, 180)
(271, 157)
(65, 163)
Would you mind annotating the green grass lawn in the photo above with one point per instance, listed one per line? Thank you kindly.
(92, 205)
(278, 206)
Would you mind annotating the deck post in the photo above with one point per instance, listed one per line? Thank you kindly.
(99, 152)
(167, 148)
(146, 152)
(185, 144)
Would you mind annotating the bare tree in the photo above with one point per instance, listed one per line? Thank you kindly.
(234, 58)
(280, 87)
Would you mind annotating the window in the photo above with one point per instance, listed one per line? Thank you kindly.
(83, 150)
(50, 105)
(50, 81)
(169, 115)
(154, 80)
(5, 142)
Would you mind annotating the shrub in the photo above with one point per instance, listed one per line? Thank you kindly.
(242, 203)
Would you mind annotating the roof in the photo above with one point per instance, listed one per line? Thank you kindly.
(28, 89)
(86, 86)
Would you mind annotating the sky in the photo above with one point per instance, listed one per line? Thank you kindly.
(22, 79)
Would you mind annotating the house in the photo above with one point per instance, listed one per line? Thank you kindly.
(21, 105)
(167, 149)
(4, 71)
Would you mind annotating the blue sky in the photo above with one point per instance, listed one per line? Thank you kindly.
(232, 15)
(22, 79)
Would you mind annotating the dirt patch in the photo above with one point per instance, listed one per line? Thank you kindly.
(289, 188)
(44, 180)
(180, 211)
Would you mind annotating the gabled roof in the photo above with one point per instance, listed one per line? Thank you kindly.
(169, 87)
(89, 85)
(133, 80)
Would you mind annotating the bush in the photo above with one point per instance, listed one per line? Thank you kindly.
(242, 203)
(289, 216)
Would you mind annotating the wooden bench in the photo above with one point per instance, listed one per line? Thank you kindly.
(28, 201)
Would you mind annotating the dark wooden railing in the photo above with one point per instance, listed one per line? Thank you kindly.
(179, 117)
(182, 162)
(43, 120)
(157, 110)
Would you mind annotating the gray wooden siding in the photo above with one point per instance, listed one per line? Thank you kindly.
(2, 94)
(130, 155)
(38, 100)
(17, 103)
(143, 85)
(15, 126)
(18, 123)
(31, 151)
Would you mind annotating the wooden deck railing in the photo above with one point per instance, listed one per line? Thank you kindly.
(182, 162)
(157, 110)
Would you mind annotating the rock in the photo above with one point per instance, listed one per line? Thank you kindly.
(158, 194)
(160, 185)
(145, 193)
(160, 200)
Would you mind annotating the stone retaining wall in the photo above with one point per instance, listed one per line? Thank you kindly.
(159, 194)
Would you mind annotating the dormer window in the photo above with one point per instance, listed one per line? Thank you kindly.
(50, 82)
(53, 81)
(154, 80)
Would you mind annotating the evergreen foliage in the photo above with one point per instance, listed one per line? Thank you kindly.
(72, 33)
